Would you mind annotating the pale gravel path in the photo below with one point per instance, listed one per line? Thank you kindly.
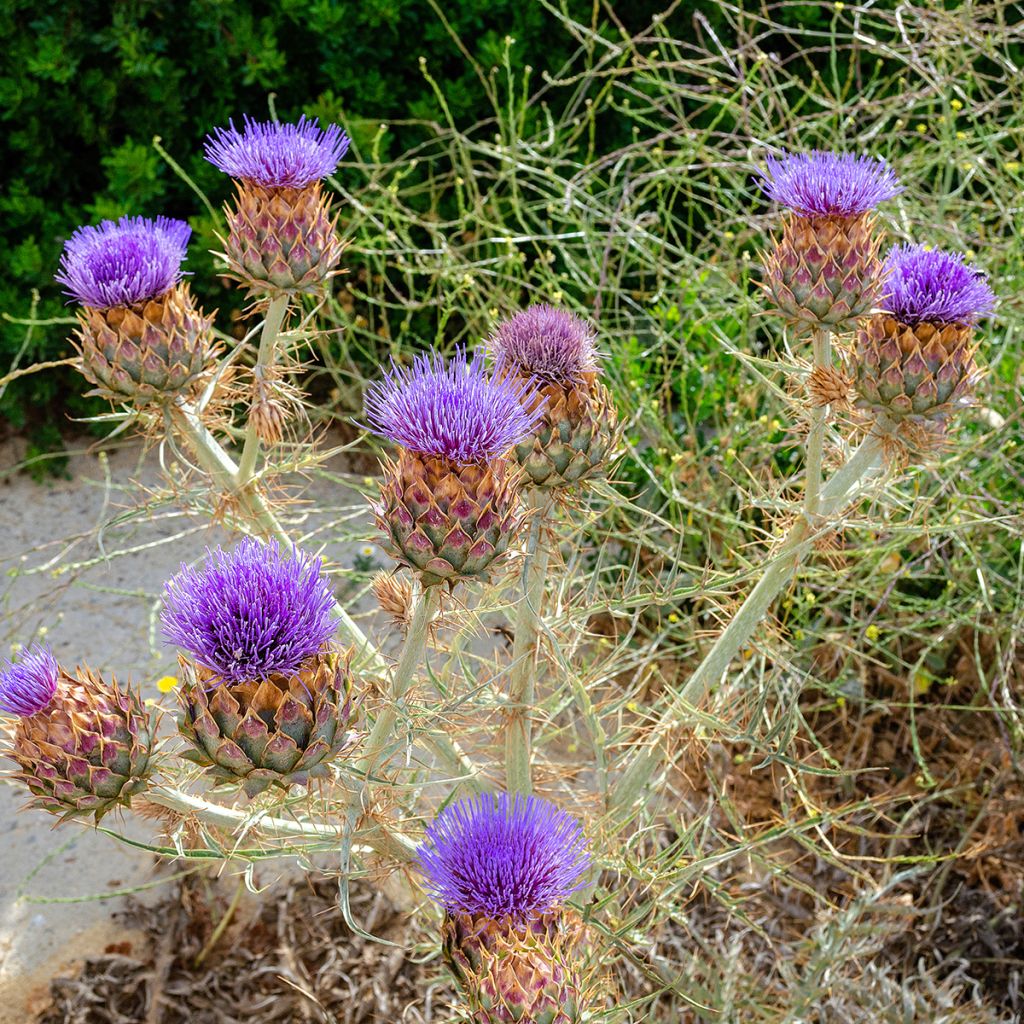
(103, 614)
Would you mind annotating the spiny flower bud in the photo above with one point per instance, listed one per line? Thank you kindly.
(282, 238)
(577, 429)
(267, 700)
(140, 335)
(448, 505)
(823, 272)
(82, 746)
(914, 361)
(502, 869)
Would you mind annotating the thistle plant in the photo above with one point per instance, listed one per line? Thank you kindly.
(502, 869)
(914, 359)
(265, 699)
(81, 746)
(493, 450)
(141, 338)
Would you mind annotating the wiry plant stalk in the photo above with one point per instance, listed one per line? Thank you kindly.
(522, 685)
(822, 348)
(276, 311)
(778, 572)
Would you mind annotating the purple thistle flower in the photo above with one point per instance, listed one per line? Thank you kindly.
(250, 612)
(452, 409)
(122, 263)
(503, 857)
(547, 343)
(28, 684)
(822, 184)
(277, 155)
(934, 285)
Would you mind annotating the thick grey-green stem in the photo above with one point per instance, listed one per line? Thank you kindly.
(525, 648)
(822, 349)
(401, 680)
(779, 570)
(378, 837)
(276, 311)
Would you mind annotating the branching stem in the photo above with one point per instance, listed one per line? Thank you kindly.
(778, 571)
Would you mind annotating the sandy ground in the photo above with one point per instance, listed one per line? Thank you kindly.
(59, 889)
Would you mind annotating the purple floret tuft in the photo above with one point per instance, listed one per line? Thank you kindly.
(822, 184)
(934, 285)
(250, 612)
(122, 263)
(503, 857)
(27, 684)
(452, 409)
(277, 155)
(548, 343)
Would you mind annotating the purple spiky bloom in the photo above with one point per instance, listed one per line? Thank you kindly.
(823, 184)
(277, 155)
(249, 612)
(27, 685)
(124, 262)
(546, 342)
(454, 409)
(934, 285)
(503, 857)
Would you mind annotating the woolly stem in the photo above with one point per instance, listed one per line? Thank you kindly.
(779, 570)
(265, 357)
(401, 680)
(383, 840)
(525, 647)
(822, 348)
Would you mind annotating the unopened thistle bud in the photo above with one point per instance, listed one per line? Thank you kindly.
(282, 238)
(82, 746)
(141, 337)
(265, 699)
(449, 502)
(502, 869)
(577, 429)
(914, 361)
(824, 271)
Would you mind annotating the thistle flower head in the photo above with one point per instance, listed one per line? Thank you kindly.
(27, 685)
(277, 155)
(546, 342)
(124, 262)
(249, 612)
(823, 184)
(503, 857)
(452, 409)
(934, 285)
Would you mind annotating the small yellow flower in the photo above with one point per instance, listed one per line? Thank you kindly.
(809, 597)
(633, 706)
(921, 129)
(839, 5)
(1012, 166)
(956, 104)
(840, 701)
(961, 135)
(673, 617)
(872, 632)
(799, 635)
(166, 684)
